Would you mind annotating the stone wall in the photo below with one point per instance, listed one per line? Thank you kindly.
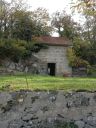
(51, 109)
(79, 72)
(30, 65)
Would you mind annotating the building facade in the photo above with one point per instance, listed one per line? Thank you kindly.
(53, 60)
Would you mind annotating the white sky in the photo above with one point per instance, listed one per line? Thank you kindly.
(51, 5)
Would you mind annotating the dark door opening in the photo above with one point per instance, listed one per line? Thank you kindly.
(51, 69)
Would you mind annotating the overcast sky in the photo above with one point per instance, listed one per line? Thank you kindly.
(51, 5)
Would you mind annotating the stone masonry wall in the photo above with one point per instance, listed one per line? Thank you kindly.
(30, 65)
(47, 109)
(55, 54)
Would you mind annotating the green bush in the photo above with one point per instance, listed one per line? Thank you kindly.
(18, 49)
(91, 71)
(75, 61)
(11, 48)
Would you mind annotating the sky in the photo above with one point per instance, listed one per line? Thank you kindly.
(50, 5)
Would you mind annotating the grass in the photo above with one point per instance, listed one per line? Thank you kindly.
(47, 83)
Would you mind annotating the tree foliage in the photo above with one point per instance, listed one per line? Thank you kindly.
(65, 25)
(18, 26)
(18, 49)
(41, 18)
(87, 7)
(17, 22)
(74, 60)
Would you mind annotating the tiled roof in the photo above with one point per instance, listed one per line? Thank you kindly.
(62, 41)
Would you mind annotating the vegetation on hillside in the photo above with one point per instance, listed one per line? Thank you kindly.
(16, 50)
(82, 36)
(18, 26)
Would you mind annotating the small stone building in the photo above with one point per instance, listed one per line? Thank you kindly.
(53, 60)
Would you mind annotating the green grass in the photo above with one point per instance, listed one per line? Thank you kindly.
(47, 83)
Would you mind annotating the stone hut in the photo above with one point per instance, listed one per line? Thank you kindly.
(53, 60)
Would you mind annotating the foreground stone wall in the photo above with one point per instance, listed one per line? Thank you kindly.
(51, 109)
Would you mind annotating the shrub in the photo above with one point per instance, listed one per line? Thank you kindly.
(75, 61)
(11, 48)
(91, 71)
(17, 49)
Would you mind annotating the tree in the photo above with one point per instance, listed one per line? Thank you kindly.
(25, 24)
(41, 18)
(90, 35)
(21, 25)
(17, 22)
(88, 9)
(17, 26)
(65, 25)
(6, 10)
(3, 17)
